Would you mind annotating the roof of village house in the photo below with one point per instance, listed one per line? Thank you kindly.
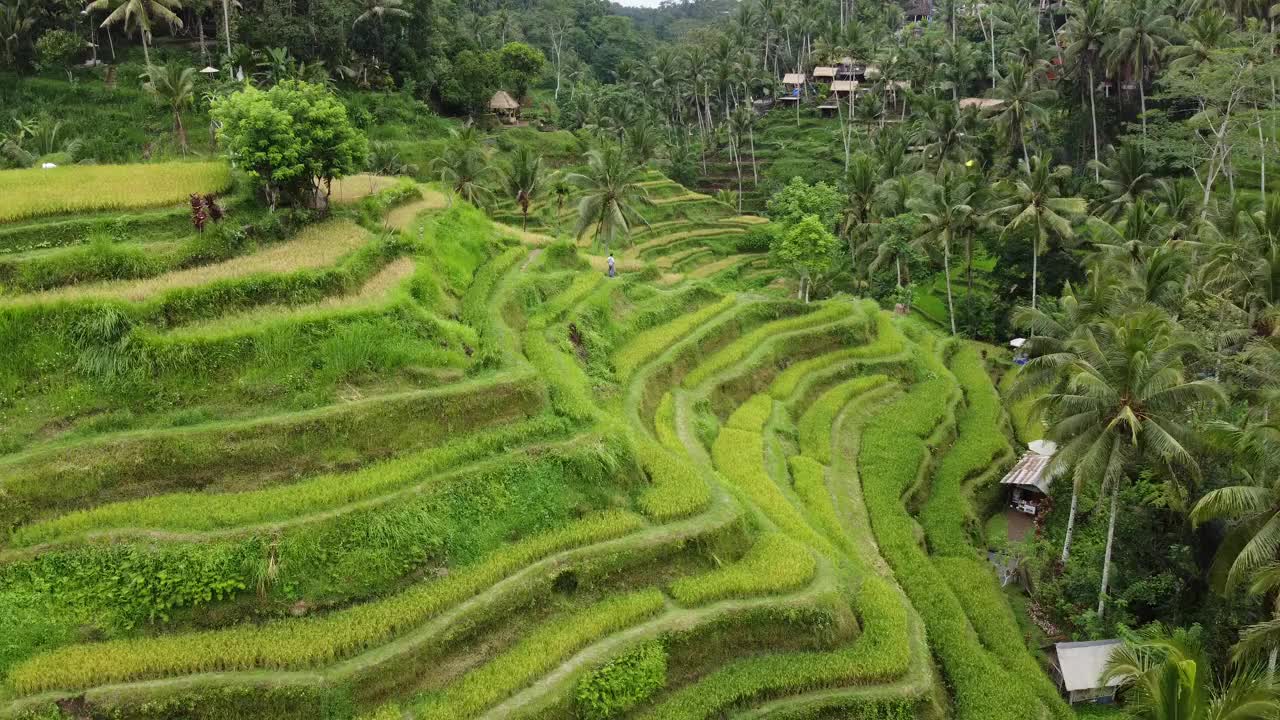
(981, 103)
(1081, 663)
(844, 86)
(1030, 472)
(793, 79)
(824, 71)
(501, 100)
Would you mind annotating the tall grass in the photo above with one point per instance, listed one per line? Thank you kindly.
(888, 341)
(815, 425)
(79, 188)
(316, 246)
(650, 343)
(195, 512)
(774, 564)
(743, 346)
(304, 642)
(540, 651)
(881, 653)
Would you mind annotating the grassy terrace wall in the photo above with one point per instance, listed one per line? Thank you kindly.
(454, 471)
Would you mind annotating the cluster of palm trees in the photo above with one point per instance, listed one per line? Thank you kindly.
(608, 188)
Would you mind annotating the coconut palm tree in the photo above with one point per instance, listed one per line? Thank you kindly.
(611, 195)
(524, 180)
(1202, 34)
(1169, 676)
(1035, 199)
(1121, 395)
(381, 10)
(862, 183)
(1251, 549)
(465, 167)
(1086, 32)
(139, 15)
(1025, 101)
(946, 212)
(16, 23)
(175, 87)
(945, 134)
(1143, 30)
(1125, 176)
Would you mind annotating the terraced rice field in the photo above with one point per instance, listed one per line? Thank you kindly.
(532, 491)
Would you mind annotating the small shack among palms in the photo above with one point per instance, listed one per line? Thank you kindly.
(793, 86)
(824, 73)
(504, 106)
(1078, 668)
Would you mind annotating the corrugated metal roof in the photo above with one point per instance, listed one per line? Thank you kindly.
(1081, 663)
(1030, 472)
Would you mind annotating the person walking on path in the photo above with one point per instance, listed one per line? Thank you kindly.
(610, 261)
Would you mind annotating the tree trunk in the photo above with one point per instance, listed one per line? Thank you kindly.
(1262, 155)
(146, 51)
(226, 23)
(204, 49)
(755, 173)
(1035, 262)
(1071, 523)
(946, 266)
(180, 130)
(1142, 99)
(1093, 112)
(1111, 537)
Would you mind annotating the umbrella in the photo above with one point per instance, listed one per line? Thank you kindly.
(1018, 342)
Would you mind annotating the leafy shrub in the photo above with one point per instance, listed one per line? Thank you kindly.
(622, 683)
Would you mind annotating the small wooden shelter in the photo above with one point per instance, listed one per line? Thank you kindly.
(851, 69)
(824, 73)
(793, 86)
(504, 106)
(843, 88)
(1078, 666)
(1029, 480)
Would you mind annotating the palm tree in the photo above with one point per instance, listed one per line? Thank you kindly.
(1024, 101)
(15, 29)
(862, 183)
(1121, 394)
(381, 9)
(1126, 176)
(1142, 33)
(611, 191)
(524, 180)
(175, 87)
(465, 168)
(1203, 34)
(139, 15)
(1086, 32)
(1252, 545)
(1036, 199)
(946, 212)
(945, 134)
(1169, 676)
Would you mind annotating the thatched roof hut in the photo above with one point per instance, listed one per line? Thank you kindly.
(826, 73)
(793, 79)
(844, 87)
(503, 105)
